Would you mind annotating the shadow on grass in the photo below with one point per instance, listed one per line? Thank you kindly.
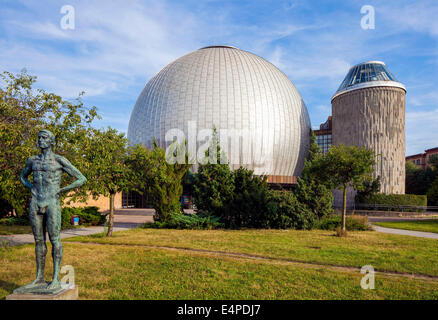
(8, 286)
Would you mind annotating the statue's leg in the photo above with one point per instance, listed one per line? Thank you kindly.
(39, 233)
(54, 229)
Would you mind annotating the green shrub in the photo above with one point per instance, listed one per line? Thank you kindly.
(213, 188)
(89, 216)
(249, 200)
(286, 212)
(66, 214)
(432, 193)
(187, 221)
(394, 202)
(14, 221)
(353, 223)
(316, 196)
(242, 200)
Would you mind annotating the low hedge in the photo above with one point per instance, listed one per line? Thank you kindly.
(14, 221)
(352, 223)
(394, 202)
(187, 221)
(89, 216)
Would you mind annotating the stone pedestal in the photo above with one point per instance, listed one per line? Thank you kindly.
(66, 294)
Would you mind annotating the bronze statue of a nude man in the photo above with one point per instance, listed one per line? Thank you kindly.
(45, 210)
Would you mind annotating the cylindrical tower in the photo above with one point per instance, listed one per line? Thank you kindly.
(369, 111)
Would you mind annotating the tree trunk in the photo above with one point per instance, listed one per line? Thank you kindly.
(111, 216)
(344, 209)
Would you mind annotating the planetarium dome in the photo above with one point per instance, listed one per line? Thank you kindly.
(228, 88)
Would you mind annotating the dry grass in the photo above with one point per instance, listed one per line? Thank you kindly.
(383, 251)
(121, 272)
(14, 229)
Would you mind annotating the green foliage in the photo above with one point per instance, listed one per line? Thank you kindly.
(151, 172)
(23, 112)
(14, 221)
(89, 216)
(66, 214)
(370, 187)
(418, 181)
(433, 161)
(314, 149)
(247, 206)
(284, 211)
(213, 187)
(246, 202)
(343, 165)
(105, 156)
(311, 191)
(353, 223)
(316, 196)
(395, 201)
(432, 193)
(187, 221)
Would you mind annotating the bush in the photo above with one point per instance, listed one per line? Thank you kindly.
(242, 200)
(14, 221)
(213, 189)
(285, 211)
(432, 193)
(187, 221)
(87, 216)
(66, 214)
(353, 223)
(248, 204)
(316, 196)
(394, 202)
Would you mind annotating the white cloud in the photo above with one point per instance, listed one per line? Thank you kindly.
(420, 16)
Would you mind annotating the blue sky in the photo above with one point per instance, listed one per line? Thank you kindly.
(117, 46)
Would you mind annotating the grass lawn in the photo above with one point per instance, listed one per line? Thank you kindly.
(129, 272)
(385, 252)
(14, 229)
(429, 225)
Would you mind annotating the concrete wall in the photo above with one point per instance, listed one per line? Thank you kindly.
(375, 118)
(102, 202)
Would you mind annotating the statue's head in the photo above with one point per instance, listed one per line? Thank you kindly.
(46, 139)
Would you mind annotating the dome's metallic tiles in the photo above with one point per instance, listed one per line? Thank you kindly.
(228, 88)
(366, 75)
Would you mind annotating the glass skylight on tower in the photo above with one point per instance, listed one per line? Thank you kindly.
(366, 73)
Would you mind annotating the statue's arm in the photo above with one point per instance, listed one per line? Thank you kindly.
(27, 170)
(72, 171)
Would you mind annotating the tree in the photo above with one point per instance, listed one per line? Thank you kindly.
(151, 172)
(370, 187)
(433, 161)
(311, 191)
(418, 181)
(106, 171)
(213, 186)
(342, 166)
(316, 196)
(249, 200)
(23, 112)
(432, 193)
